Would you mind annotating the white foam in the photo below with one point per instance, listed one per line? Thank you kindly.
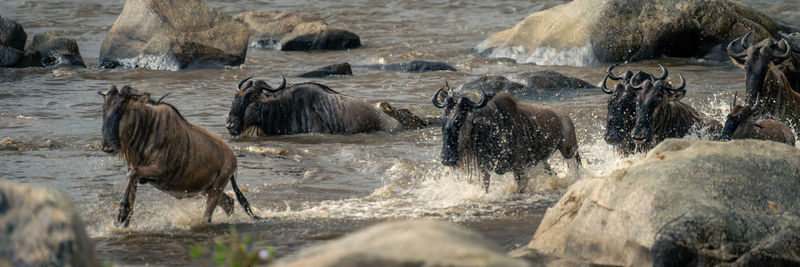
(167, 62)
(544, 55)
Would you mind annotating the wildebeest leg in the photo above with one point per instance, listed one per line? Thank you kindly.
(134, 174)
(486, 181)
(522, 182)
(226, 203)
(212, 199)
(126, 206)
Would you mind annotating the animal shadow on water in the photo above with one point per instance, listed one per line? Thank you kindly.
(502, 134)
(163, 149)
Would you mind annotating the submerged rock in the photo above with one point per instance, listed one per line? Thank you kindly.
(405, 243)
(173, 35)
(40, 227)
(295, 31)
(335, 69)
(588, 32)
(688, 202)
(413, 66)
(526, 84)
(56, 50)
(12, 34)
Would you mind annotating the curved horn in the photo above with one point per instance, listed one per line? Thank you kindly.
(785, 45)
(683, 83)
(640, 85)
(664, 72)
(734, 100)
(162, 97)
(746, 40)
(610, 74)
(732, 54)
(280, 87)
(484, 101)
(436, 98)
(239, 87)
(604, 88)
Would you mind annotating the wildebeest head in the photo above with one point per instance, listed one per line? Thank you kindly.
(114, 106)
(242, 115)
(739, 114)
(456, 115)
(622, 103)
(651, 96)
(757, 59)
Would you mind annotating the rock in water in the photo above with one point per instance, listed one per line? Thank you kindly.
(687, 203)
(588, 32)
(405, 243)
(173, 35)
(526, 84)
(335, 69)
(418, 66)
(295, 31)
(12, 34)
(40, 227)
(56, 50)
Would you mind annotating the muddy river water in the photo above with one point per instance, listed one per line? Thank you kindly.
(317, 187)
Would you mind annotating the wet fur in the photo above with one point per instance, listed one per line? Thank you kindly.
(741, 124)
(163, 149)
(306, 108)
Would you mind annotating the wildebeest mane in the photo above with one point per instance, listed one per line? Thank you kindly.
(669, 117)
(155, 129)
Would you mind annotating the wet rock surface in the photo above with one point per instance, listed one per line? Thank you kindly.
(687, 203)
(56, 50)
(526, 84)
(417, 66)
(588, 32)
(405, 243)
(334, 69)
(173, 35)
(40, 227)
(295, 31)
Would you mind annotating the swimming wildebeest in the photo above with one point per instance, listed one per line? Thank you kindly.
(621, 116)
(771, 72)
(308, 108)
(743, 124)
(660, 114)
(502, 134)
(165, 150)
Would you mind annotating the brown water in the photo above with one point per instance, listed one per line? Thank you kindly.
(324, 186)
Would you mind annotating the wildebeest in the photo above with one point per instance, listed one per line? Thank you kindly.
(771, 72)
(163, 149)
(259, 109)
(743, 124)
(502, 134)
(660, 114)
(621, 116)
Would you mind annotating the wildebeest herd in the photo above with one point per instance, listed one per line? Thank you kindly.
(497, 133)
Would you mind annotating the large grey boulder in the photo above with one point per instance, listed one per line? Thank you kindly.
(295, 31)
(527, 84)
(40, 227)
(588, 32)
(56, 50)
(688, 202)
(418, 66)
(405, 243)
(334, 69)
(12, 45)
(12, 34)
(173, 35)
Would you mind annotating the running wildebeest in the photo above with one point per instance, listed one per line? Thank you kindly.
(502, 134)
(165, 150)
(259, 109)
(771, 76)
(743, 124)
(621, 116)
(660, 114)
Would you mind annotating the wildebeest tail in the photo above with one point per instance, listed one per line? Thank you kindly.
(242, 200)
